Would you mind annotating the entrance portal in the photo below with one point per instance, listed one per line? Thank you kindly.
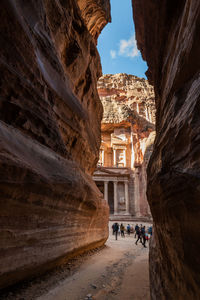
(111, 197)
(100, 186)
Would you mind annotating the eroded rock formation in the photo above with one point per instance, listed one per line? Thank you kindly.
(168, 36)
(124, 96)
(128, 99)
(127, 136)
(50, 116)
(96, 15)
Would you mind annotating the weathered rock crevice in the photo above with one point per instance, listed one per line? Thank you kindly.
(167, 37)
(50, 116)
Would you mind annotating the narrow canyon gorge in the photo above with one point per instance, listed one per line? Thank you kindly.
(51, 144)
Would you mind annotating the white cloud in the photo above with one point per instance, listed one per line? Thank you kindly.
(113, 54)
(128, 47)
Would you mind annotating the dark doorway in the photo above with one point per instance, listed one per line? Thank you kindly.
(100, 185)
(111, 197)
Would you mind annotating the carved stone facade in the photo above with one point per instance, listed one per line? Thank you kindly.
(126, 143)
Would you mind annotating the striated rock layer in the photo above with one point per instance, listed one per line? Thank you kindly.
(168, 37)
(128, 123)
(50, 114)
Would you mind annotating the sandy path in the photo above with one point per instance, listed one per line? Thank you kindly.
(117, 272)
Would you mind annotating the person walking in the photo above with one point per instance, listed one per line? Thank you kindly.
(122, 228)
(146, 236)
(116, 228)
(136, 229)
(119, 231)
(128, 229)
(113, 228)
(150, 231)
(139, 237)
(143, 234)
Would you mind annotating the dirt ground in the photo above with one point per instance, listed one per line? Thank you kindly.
(118, 271)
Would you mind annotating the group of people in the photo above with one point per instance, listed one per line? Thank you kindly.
(141, 233)
(118, 229)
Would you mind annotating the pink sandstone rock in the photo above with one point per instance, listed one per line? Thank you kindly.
(50, 114)
(168, 36)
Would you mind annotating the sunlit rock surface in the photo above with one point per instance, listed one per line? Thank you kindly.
(96, 14)
(128, 99)
(50, 116)
(123, 95)
(168, 36)
(128, 127)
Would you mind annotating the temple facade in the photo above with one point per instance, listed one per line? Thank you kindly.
(126, 144)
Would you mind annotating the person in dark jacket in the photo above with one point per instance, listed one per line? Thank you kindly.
(143, 231)
(136, 230)
(139, 236)
(116, 228)
(113, 228)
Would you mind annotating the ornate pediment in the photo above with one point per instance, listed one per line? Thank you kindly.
(120, 139)
(102, 171)
(98, 172)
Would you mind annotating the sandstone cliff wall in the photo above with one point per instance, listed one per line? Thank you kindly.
(124, 96)
(168, 36)
(50, 116)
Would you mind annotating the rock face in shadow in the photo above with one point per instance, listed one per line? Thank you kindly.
(167, 35)
(50, 114)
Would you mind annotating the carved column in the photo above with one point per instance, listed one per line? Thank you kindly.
(124, 157)
(132, 152)
(126, 197)
(137, 195)
(114, 152)
(115, 198)
(106, 190)
(102, 158)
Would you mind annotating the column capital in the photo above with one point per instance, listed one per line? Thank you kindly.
(115, 179)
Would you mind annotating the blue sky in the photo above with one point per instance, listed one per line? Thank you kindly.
(117, 45)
